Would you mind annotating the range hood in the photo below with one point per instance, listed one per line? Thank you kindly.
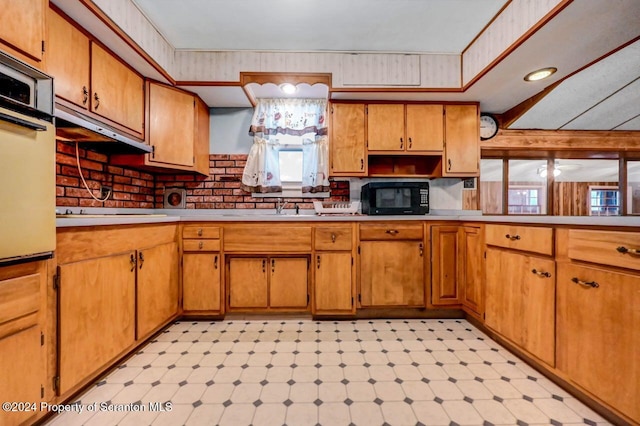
(74, 126)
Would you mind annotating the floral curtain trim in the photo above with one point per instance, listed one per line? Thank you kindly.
(289, 116)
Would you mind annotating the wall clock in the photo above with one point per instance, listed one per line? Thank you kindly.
(488, 126)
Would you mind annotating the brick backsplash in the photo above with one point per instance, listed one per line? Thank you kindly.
(221, 189)
(131, 188)
(140, 189)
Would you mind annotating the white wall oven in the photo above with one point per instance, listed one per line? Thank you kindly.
(27, 163)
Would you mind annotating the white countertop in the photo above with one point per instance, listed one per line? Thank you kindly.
(94, 217)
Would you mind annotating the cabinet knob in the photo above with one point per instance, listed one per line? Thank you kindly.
(85, 95)
(625, 250)
(200, 232)
(410, 143)
(215, 262)
(96, 98)
(333, 238)
(591, 284)
(401, 143)
(512, 237)
(449, 163)
(273, 265)
(141, 256)
(264, 265)
(541, 274)
(132, 261)
(421, 249)
(318, 260)
(200, 245)
(361, 164)
(392, 231)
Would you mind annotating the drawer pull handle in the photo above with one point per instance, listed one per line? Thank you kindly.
(200, 232)
(591, 284)
(333, 238)
(421, 249)
(264, 265)
(318, 261)
(541, 274)
(361, 164)
(200, 245)
(512, 237)
(624, 250)
(141, 256)
(215, 262)
(401, 143)
(132, 261)
(410, 143)
(392, 231)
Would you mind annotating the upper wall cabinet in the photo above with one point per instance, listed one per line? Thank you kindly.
(91, 78)
(177, 130)
(462, 141)
(347, 143)
(23, 29)
(405, 128)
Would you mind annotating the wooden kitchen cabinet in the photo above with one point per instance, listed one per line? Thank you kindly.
(333, 270)
(392, 267)
(520, 300)
(96, 316)
(156, 287)
(201, 137)
(201, 270)
(23, 29)
(268, 282)
(23, 374)
(405, 128)
(347, 149)
(598, 318)
(445, 252)
(91, 78)
(462, 141)
(470, 261)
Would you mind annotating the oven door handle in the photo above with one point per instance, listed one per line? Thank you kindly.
(23, 123)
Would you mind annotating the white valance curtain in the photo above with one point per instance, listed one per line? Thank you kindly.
(296, 117)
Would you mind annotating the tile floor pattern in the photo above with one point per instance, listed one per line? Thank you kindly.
(304, 372)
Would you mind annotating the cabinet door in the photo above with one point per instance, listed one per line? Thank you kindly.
(471, 268)
(425, 128)
(23, 26)
(157, 287)
(444, 276)
(68, 60)
(520, 303)
(96, 316)
(201, 142)
(598, 338)
(118, 92)
(288, 282)
(333, 290)
(347, 144)
(201, 282)
(21, 372)
(385, 127)
(248, 287)
(171, 125)
(392, 273)
(462, 138)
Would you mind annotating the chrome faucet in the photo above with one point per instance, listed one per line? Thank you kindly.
(280, 205)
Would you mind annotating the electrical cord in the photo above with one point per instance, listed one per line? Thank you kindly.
(102, 200)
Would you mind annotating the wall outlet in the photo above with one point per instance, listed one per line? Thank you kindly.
(105, 191)
(469, 183)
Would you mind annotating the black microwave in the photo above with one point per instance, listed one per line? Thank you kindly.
(395, 198)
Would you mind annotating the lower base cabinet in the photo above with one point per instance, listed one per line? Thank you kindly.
(96, 315)
(157, 287)
(520, 301)
(201, 282)
(598, 334)
(333, 283)
(269, 282)
(392, 273)
(22, 353)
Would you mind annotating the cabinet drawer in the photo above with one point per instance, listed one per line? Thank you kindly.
(200, 231)
(333, 238)
(201, 245)
(396, 231)
(19, 297)
(605, 247)
(267, 238)
(536, 240)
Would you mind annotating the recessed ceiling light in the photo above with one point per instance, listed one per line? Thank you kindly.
(540, 74)
(288, 88)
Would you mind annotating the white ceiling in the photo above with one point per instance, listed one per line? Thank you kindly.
(416, 26)
(605, 95)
